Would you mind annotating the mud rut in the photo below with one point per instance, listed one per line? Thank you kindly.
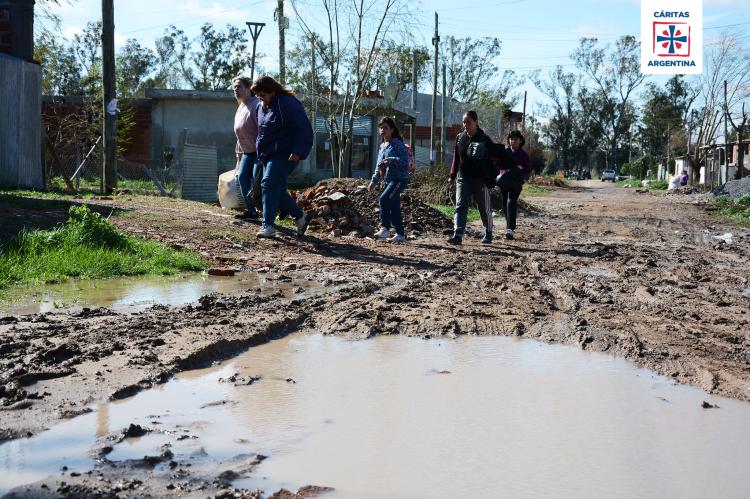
(604, 268)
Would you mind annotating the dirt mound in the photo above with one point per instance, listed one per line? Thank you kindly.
(344, 207)
(684, 190)
(543, 181)
(733, 189)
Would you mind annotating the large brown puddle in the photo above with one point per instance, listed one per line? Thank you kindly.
(134, 293)
(407, 418)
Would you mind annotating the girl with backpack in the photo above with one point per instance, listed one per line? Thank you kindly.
(470, 169)
(393, 166)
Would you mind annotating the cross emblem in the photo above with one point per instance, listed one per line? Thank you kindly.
(671, 38)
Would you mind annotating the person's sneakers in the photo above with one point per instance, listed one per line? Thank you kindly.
(383, 233)
(302, 223)
(456, 239)
(397, 239)
(508, 233)
(487, 239)
(266, 232)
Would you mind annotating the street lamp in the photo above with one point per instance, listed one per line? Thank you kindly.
(255, 29)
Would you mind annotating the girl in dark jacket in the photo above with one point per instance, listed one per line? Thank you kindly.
(511, 180)
(285, 137)
(469, 170)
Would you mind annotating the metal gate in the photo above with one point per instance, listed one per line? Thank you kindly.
(200, 177)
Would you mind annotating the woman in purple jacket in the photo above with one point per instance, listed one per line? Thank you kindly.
(285, 137)
(511, 181)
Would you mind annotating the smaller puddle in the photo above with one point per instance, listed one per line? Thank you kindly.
(403, 417)
(138, 293)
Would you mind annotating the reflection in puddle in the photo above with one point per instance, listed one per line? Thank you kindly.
(135, 293)
(403, 417)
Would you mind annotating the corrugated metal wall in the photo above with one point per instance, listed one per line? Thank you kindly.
(20, 124)
(200, 179)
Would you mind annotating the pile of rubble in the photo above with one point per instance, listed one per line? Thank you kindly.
(733, 189)
(344, 207)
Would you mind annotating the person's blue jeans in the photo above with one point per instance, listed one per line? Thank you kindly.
(275, 195)
(245, 174)
(390, 205)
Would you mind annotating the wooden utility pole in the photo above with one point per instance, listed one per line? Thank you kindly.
(442, 120)
(109, 103)
(282, 45)
(523, 118)
(436, 43)
(314, 97)
(414, 90)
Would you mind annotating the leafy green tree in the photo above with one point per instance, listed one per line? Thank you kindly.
(470, 66)
(664, 111)
(299, 71)
(135, 64)
(615, 74)
(395, 59)
(211, 59)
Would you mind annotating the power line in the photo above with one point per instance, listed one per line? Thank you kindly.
(193, 20)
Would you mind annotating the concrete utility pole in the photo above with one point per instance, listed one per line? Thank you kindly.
(442, 120)
(414, 90)
(726, 135)
(279, 14)
(436, 43)
(524, 111)
(255, 29)
(109, 165)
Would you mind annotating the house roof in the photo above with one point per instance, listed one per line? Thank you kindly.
(367, 105)
(453, 113)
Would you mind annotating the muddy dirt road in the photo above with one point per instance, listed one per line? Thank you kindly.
(606, 268)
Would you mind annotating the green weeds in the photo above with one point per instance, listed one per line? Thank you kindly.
(737, 210)
(449, 211)
(86, 246)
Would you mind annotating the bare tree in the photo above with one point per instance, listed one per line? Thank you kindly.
(357, 29)
(723, 61)
(560, 88)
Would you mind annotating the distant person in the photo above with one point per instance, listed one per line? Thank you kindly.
(392, 166)
(469, 170)
(246, 130)
(285, 137)
(684, 178)
(511, 181)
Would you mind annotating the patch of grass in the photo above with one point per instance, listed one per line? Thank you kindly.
(86, 246)
(659, 185)
(23, 197)
(633, 182)
(450, 210)
(737, 210)
(92, 186)
(533, 190)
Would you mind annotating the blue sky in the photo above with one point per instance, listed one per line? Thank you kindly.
(535, 33)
